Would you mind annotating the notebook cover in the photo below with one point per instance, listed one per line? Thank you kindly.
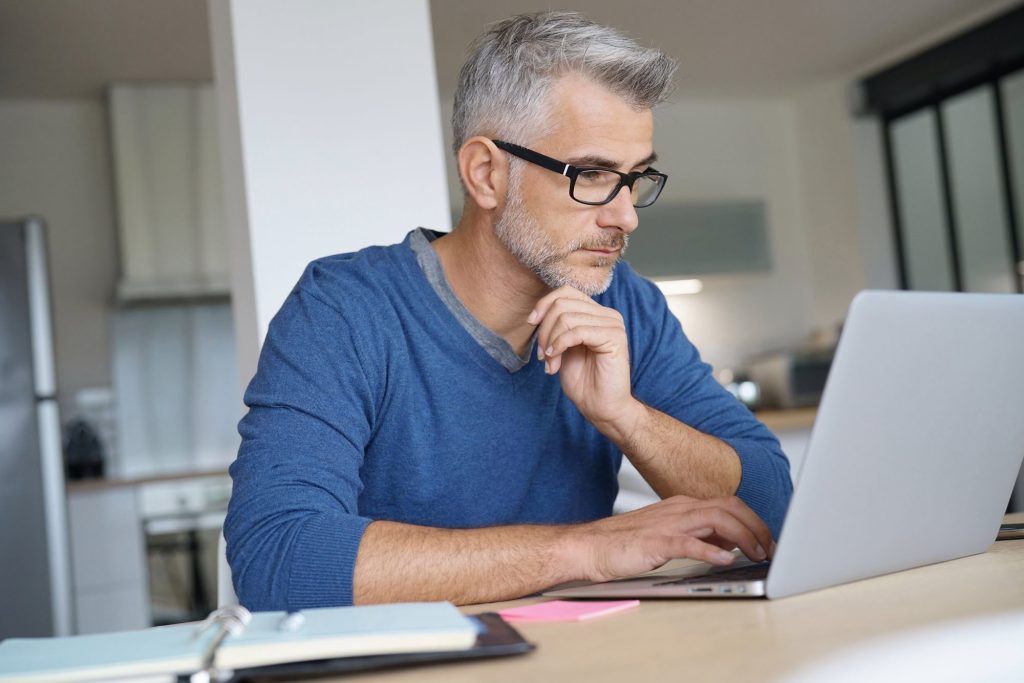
(496, 638)
(333, 632)
(348, 632)
(165, 649)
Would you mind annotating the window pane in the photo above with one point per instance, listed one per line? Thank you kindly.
(1013, 114)
(923, 225)
(982, 229)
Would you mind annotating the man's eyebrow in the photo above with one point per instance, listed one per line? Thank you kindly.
(593, 160)
(603, 162)
(648, 160)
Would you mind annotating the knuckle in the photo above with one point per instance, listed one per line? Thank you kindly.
(560, 307)
(680, 501)
(694, 548)
(571, 320)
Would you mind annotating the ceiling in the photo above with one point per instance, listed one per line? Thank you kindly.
(72, 48)
(739, 47)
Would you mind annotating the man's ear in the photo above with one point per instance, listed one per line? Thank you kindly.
(484, 171)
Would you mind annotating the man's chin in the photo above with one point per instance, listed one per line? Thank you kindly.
(593, 280)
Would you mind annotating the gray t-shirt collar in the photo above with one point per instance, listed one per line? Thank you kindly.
(495, 345)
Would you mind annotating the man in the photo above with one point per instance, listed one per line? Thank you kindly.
(445, 418)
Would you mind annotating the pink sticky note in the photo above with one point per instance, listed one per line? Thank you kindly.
(565, 610)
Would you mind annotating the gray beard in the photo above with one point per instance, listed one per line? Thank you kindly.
(523, 236)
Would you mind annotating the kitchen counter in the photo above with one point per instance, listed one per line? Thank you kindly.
(791, 420)
(100, 484)
(113, 525)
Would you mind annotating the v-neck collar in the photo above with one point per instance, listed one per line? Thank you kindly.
(494, 344)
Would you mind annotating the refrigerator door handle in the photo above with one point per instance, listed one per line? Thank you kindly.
(48, 420)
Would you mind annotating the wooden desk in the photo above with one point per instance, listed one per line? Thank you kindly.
(745, 640)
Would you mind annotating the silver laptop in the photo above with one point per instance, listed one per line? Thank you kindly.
(913, 455)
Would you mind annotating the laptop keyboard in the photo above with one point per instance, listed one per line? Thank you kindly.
(750, 572)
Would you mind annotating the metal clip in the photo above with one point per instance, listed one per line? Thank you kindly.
(291, 622)
(231, 620)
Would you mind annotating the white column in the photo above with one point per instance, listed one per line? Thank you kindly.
(330, 134)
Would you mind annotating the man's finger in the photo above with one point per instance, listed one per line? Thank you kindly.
(689, 547)
(560, 312)
(542, 306)
(742, 511)
(602, 339)
(547, 345)
(730, 529)
(564, 305)
(738, 509)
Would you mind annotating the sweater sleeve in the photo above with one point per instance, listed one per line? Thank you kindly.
(669, 375)
(293, 526)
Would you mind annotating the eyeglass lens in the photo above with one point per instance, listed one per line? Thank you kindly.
(597, 186)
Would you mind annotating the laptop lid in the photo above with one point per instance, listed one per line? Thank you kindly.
(917, 442)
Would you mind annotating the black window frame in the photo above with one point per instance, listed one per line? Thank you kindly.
(981, 56)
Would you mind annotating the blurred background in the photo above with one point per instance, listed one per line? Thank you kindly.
(167, 167)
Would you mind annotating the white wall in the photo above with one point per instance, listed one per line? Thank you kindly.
(330, 138)
(822, 173)
(828, 185)
(54, 162)
(742, 149)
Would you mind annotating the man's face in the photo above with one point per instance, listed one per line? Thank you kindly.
(560, 240)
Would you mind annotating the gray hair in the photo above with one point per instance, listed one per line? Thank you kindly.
(504, 84)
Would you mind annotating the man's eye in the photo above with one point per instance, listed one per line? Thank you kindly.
(594, 177)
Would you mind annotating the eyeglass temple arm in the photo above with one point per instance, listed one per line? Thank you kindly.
(542, 160)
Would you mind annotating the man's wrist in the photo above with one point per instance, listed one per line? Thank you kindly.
(627, 423)
(575, 552)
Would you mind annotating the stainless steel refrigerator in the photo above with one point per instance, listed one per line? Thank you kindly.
(35, 576)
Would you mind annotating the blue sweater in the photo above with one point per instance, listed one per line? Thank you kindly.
(372, 402)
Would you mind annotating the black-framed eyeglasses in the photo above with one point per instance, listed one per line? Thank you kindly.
(595, 185)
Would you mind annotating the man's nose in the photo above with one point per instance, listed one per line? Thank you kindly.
(620, 212)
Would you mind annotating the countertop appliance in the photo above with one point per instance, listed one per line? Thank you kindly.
(791, 379)
(35, 574)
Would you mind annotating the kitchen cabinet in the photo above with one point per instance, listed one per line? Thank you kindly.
(169, 193)
(111, 587)
(118, 583)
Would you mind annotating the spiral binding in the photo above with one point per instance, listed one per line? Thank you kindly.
(230, 620)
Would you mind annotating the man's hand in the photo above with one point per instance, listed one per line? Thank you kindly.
(405, 563)
(677, 527)
(586, 343)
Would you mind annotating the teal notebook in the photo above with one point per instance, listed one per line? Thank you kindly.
(269, 638)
